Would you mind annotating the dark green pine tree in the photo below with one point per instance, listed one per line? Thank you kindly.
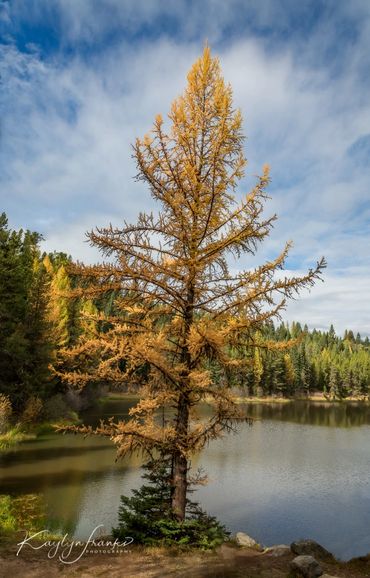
(37, 329)
(350, 336)
(331, 334)
(279, 382)
(15, 277)
(24, 347)
(349, 384)
(148, 518)
(334, 384)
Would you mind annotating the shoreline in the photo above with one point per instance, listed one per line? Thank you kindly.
(315, 397)
(16, 435)
(319, 398)
(229, 560)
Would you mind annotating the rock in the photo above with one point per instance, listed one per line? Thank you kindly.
(305, 567)
(311, 548)
(246, 541)
(279, 550)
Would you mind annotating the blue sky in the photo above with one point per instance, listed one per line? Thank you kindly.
(81, 79)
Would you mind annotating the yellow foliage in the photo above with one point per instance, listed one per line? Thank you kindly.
(186, 320)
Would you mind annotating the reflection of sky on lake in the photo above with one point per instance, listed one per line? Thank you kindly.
(278, 480)
(286, 481)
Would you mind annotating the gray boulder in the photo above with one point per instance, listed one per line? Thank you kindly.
(305, 567)
(279, 550)
(246, 541)
(311, 548)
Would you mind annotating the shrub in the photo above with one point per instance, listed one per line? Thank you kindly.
(5, 413)
(32, 411)
(7, 518)
(14, 436)
(26, 512)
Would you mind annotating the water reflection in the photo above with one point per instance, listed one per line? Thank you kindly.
(338, 414)
(302, 470)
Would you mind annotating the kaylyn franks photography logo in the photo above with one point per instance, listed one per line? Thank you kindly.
(70, 551)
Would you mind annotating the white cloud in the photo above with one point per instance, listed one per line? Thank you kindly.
(340, 300)
(72, 238)
(68, 123)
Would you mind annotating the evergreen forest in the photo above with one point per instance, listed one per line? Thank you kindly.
(39, 320)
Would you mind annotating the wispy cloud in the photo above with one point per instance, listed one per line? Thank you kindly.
(70, 116)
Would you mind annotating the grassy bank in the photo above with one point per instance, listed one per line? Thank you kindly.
(21, 432)
(13, 437)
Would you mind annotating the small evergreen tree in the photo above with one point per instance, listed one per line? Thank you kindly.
(289, 374)
(148, 518)
(334, 383)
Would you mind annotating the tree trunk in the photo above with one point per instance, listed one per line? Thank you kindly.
(180, 468)
(180, 462)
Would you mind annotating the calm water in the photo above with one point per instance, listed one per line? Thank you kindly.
(301, 471)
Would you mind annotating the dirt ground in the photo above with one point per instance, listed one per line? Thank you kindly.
(134, 562)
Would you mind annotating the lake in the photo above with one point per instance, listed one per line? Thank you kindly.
(301, 471)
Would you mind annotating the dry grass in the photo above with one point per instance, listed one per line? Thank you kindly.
(227, 562)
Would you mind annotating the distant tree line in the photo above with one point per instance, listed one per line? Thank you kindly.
(317, 361)
(39, 322)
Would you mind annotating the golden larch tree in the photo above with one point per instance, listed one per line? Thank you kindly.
(180, 313)
(58, 302)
